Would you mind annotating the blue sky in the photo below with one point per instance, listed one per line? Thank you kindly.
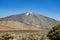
(50, 8)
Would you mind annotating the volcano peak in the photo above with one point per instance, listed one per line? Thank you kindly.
(29, 13)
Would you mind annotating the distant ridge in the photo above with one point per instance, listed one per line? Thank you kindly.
(27, 21)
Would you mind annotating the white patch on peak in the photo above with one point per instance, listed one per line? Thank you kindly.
(29, 13)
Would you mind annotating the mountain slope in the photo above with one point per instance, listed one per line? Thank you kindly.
(28, 20)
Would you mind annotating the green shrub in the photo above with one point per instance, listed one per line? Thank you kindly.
(6, 36)
(54, 33)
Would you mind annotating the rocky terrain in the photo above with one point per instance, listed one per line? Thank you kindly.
(27, 21)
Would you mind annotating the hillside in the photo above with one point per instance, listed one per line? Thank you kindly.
(27, 21)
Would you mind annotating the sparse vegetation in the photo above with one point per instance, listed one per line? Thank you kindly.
(32, 36)
(24, 36)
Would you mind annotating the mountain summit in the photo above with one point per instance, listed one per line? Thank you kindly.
(28, 20)
(29, 13)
